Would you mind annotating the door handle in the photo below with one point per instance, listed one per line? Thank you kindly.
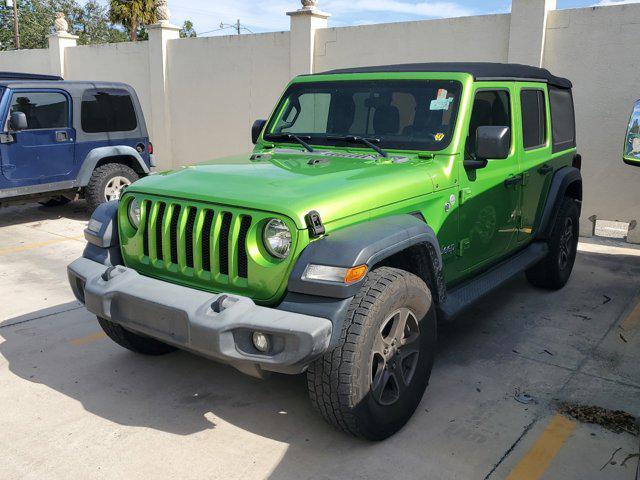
(511, 181)
(62, 136)
(545, 169)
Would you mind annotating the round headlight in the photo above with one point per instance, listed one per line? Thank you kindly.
(134, 213)
(277, 238)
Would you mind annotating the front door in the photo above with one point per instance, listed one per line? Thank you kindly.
(489, 196)
(44, 151)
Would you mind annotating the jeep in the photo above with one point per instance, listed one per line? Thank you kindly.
(631, 155)
(60, 140)
(377, 202)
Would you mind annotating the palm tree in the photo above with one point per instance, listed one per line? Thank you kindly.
(131, 14)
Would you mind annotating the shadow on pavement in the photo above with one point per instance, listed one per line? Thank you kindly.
(183, 394)
(34, 212)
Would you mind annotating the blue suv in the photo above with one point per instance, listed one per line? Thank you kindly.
(62, 140)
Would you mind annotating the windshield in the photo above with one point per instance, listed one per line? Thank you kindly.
(404, 114)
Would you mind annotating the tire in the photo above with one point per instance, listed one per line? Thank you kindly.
(56, 202)
(131, 341)
(349, 386)
(553, 272)
(95, 191)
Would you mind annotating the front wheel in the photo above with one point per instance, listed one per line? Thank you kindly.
(553, 272)
(370, 384)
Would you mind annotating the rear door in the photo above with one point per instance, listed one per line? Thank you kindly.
(535, 154)
(44, 152)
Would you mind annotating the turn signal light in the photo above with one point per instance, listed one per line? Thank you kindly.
(355, 274)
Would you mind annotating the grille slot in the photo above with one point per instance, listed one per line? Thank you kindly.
(223, 255)
(191, 223)
(145, 235)
(243, 263)
(173, 234)
(206, 241)
(159, 221)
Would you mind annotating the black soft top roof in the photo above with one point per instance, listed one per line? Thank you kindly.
(11, 76)
(479, 70)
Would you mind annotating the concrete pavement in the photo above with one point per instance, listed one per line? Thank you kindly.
(75, 405)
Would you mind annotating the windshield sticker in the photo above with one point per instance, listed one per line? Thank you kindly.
(442, 94)
(439, 137)
(440, 104)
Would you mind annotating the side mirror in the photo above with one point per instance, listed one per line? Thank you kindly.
(256, 130)
(18, 121)
(631, 155)
(493, 143)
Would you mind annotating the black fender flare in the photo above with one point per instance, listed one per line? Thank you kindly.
(94, 156)
(103, 242)
(563, 180)
(368, 243)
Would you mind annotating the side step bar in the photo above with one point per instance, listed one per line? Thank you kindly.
(463, 296)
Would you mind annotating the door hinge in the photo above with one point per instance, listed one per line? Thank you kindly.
(465, 194)
(465, 244)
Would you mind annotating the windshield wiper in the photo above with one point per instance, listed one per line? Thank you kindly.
(369, 142)
(291, 136)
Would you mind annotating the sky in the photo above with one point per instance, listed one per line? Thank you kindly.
(269, 15)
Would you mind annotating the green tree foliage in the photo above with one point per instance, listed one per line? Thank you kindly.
(187, 30)
(90, 22)
(132, 14)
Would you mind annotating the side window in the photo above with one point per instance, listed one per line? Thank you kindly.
(107, 110)
(534, 118)
(490, 108)
(563, 125)
(44, 110)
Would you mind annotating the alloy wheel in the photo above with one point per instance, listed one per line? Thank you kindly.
(115, 186)
(566, 244)
(395, 356)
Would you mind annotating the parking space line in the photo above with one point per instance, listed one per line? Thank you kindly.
(88, 339)
(536, 461)
(31, 246)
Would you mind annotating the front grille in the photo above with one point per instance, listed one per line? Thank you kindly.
(199, 238)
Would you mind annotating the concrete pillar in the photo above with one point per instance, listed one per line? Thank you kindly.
(58, 43)
(528, 27)
(304, 23)
(159, 119)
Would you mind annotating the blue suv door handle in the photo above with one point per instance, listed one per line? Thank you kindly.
(62, 136)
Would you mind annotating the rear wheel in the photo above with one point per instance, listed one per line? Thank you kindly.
(131, 341)
(554, 271)
(108, 182)
(370, 384)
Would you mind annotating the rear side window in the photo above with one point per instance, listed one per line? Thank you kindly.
(107, 110)
(43, 110)
(534, 118)
(563, 124)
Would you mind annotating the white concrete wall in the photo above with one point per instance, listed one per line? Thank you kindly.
(595, 48)
(480, 39)
(29, 61)
(218, 86)
(126, 62)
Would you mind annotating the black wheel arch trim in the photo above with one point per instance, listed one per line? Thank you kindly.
(368, 243)
(564, 180)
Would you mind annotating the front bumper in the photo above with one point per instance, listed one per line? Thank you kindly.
(217, 326)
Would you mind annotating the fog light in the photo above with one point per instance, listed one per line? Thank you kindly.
(260, 341)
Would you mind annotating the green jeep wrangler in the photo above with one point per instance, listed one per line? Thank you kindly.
(377, 202)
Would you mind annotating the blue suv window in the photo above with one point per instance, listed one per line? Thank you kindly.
(42, 109)
(107, 110)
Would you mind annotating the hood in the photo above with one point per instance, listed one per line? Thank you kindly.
(293, 182)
